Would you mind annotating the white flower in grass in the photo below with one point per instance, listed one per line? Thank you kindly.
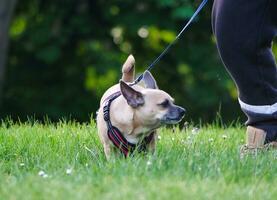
(68, 171)
(224, 137)
(211, 140)
(86, 164)
(45, 176)
(195, 130)
(186, 124)
(173, 139)
(42, 174)
(159, 137)
(21, 164)
(149, 163)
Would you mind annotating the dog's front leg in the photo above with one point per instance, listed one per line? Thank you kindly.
(107, 150)
(151, 147)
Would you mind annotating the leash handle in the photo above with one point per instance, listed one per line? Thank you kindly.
(200, 7)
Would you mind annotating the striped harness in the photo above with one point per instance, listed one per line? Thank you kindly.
(117, 138)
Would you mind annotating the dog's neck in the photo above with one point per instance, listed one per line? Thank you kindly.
(128, 122)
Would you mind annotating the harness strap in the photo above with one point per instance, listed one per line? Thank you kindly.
(116, 136)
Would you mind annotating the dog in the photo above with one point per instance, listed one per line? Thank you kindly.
(131, 114)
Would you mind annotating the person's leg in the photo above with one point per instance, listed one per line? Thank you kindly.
(244, 32)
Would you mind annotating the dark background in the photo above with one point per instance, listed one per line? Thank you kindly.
(63, 55)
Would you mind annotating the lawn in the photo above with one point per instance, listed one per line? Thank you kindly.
(66, 161)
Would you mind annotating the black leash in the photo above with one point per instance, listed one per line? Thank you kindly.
(203, 3)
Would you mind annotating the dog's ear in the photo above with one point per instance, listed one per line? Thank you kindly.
(133, 97)
(149, 80)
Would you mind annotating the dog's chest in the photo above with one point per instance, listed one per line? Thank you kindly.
(135, 138)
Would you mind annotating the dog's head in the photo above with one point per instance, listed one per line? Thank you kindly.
(152, 107)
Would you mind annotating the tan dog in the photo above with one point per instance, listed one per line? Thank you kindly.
(138, 111)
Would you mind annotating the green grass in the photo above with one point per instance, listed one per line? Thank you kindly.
(187, 165)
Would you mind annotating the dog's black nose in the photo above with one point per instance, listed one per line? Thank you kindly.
(182, 111)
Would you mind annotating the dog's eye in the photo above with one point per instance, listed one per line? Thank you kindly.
(165, 103)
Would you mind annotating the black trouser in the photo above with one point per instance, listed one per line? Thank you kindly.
(244, 31)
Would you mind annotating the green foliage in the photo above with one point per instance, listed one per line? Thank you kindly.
(188, 164)
(65, 54)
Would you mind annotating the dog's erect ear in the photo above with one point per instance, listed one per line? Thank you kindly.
(133, 97)
(149, 80)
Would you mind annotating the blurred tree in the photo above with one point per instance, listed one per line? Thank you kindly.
(65, 54)
(6, 11)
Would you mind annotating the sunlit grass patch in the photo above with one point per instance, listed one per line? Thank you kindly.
(66, 161)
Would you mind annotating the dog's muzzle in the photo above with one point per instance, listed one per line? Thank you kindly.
(174, 115)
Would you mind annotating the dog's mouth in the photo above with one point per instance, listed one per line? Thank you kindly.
(168, 120)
